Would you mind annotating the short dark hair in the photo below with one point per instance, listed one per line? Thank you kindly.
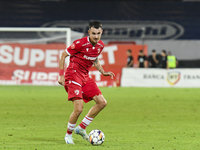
(164, 51)
(95, 24)
(153, 50)
(129, 51)
(141, 51)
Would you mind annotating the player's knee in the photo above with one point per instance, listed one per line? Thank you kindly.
(103, 103)
(78, 107)
(100, 101)
(78, 111)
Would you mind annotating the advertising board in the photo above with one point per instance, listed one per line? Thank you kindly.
(37, 64)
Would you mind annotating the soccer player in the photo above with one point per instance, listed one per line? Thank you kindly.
(80, 87)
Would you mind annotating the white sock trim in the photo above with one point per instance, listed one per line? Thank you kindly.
(71, 126)
(87, 120)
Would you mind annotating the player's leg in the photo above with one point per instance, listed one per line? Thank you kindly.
(78, 108)
(81, 131)
(91, 91)
(100, 104)
(74, 95)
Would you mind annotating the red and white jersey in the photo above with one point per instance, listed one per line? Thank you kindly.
(83, 54)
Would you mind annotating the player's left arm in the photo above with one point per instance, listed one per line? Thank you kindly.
(101, 70)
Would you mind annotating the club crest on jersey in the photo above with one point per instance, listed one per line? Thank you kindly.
(76, 92)
(99, 50)
(72, 46)
(87, 49)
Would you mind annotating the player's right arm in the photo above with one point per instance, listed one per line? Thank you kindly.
(61, 79)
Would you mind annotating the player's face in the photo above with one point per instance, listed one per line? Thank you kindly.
(95, 35)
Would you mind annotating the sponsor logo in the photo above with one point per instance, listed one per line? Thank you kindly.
(127, 29)
(76, 92)
(89, 58)
(153, 76)
(100, 44)
(85, 44)
(173, 77)
(191, 77)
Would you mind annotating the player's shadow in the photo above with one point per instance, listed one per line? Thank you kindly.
(44, 140)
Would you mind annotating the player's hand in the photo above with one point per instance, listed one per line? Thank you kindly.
(61, 80)
(109, 73)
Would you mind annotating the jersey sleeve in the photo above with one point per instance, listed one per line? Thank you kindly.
(74, 48)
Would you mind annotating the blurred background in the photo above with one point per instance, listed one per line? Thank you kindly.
(172, 26)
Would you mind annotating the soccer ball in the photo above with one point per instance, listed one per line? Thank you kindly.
(96, 137)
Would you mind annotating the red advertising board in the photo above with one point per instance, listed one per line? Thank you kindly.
(37, 64)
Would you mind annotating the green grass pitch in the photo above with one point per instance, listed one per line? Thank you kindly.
(35, 118)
